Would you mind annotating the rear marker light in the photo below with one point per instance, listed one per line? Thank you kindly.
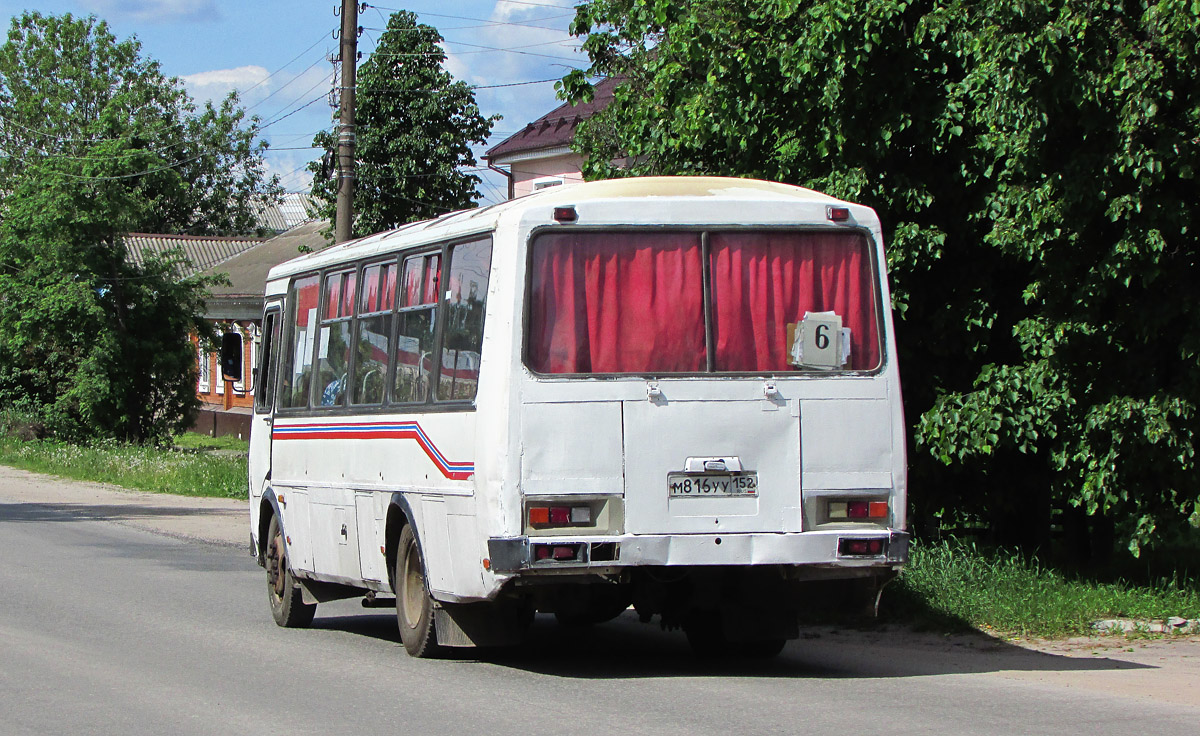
(565, 214)
(838, 214)
(558, 552)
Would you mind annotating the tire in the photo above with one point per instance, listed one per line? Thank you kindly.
(287, 602)
(414, 607)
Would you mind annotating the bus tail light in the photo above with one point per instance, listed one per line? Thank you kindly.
(541, 517)
(858, 547)
(842, 510)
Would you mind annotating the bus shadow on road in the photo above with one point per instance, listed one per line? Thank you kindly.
(625, 648)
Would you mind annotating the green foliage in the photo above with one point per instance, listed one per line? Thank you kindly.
(1034, 163)
(78, 104)
(97, 143)
(414, 129)
(1004, 592)
(138, 467)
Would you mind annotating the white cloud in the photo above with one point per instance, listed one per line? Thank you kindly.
(290, 169)
(259, 92)
(216, 84)
(156, 11)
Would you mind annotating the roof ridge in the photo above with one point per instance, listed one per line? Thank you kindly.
(173, 236)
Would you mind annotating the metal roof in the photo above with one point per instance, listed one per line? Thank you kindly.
(200, 252)
(242, 298)
(296, 208)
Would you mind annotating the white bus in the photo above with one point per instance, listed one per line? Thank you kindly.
(676, 394)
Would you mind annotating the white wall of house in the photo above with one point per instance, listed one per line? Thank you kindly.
(531, 174)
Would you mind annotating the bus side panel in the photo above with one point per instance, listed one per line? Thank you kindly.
(847, 444)
(298, 529)
(371, 524)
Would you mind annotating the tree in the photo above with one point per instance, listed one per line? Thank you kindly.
(415, 127)
(97, 143)
(1034, 165)
(70, 92)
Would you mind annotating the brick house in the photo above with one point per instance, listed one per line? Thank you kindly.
(237, 307)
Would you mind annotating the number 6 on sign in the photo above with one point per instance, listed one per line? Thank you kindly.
(818, 341)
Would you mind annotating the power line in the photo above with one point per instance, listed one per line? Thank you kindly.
(285, 66)
(293, 112)
(290, 82)
(539, 5)
(515, 84)
(116, 177)
(486, 49)
(491, 22)
(559, 42)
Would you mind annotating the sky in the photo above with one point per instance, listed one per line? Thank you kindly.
(276, 54)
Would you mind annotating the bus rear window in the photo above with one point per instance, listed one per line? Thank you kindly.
(617, 302)
(634, 302)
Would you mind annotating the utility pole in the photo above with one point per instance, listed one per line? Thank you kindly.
(346, 175)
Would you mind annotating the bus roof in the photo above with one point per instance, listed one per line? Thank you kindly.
(466, 222)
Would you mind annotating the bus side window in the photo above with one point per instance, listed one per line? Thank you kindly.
(414, 335)
(377, 299)
(295, 370)
(334, 348)
(264, 382)
(466, 294)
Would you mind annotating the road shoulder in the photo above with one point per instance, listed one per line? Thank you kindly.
(212, 520)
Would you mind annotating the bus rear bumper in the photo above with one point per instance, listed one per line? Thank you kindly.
(836, 549)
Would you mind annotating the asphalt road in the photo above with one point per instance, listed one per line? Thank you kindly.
(107, 628)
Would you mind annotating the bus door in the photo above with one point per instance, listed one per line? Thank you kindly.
(264, 402)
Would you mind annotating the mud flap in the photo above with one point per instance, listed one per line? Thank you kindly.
(477, 625)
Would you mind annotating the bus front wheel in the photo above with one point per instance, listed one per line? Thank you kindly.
(414, 607)
(287, 602)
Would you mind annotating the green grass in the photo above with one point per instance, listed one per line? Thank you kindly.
(196, 441)
(158, 470)
(951, 586)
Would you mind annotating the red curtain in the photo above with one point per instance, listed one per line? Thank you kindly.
(420, 280)
(762, 281)
(617, 302)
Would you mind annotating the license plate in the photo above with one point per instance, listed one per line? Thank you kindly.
(708, 485)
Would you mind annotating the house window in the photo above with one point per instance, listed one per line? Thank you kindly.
(204, 384)
(546, 182)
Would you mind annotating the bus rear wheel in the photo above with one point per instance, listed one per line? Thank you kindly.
(287, 602)
(414, 607)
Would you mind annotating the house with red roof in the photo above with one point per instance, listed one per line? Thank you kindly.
(539, 155)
